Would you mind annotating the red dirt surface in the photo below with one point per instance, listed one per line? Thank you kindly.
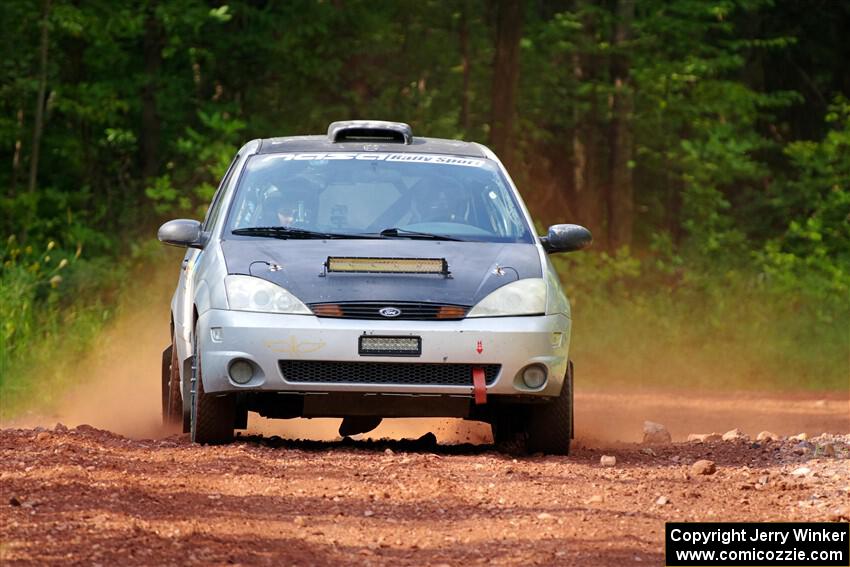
(90, 497)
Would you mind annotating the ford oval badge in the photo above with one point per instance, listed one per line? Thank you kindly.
(389, 311)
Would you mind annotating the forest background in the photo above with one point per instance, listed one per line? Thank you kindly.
(706, 143)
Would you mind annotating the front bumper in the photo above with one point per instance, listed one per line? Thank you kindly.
(265, 339)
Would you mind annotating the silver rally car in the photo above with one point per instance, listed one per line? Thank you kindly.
(370, 274)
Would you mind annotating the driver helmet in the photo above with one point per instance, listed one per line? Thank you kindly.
(289, 206)
(438, 199)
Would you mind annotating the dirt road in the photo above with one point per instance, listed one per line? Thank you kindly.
(86, 497)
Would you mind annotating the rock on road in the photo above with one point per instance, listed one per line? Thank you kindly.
(84, 496)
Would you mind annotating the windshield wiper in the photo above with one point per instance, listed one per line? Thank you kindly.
(396, 232)
(291, 232)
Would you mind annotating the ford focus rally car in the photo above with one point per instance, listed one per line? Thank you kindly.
(369, 274)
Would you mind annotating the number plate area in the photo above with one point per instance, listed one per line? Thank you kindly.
(371, 345)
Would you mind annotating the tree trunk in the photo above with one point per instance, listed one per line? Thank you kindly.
(586, 186)
(38, 126)
(465, 123)
(151, 127)
(621, 206)
(16, 156)
(553, 198)
(673, 207)
(505, 78)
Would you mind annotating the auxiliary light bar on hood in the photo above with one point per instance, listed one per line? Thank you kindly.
(437, 266)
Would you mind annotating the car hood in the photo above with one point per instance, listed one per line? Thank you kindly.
(473, 267)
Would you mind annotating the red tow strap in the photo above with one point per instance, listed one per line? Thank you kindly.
(479, 388)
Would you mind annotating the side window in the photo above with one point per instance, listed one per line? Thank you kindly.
(215, 208)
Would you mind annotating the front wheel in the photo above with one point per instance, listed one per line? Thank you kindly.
(550, 427)
(212, 417)
(538, 428)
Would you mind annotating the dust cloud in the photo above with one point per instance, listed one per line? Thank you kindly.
(117, 385)
(118, 389)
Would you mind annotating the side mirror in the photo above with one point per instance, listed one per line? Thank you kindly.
(566, 238)
(182, 232)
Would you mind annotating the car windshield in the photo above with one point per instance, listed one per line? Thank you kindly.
(367, 193)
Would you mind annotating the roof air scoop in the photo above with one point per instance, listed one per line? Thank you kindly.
(377, 131)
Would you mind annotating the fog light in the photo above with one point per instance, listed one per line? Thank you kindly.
(241, 371)
(534, 376)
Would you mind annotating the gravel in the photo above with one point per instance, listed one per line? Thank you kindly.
(703, 467)
(85, 496)
(655, 433)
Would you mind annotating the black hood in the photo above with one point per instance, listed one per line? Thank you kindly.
(472, 266)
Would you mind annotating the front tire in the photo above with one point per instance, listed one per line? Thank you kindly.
(550, 427)
(212, 416)
(509, 424)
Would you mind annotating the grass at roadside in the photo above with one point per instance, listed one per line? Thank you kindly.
(50, 324)
(727, 331)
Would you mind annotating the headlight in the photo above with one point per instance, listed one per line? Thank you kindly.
(247, 293)
(556, 302)
(523, 297)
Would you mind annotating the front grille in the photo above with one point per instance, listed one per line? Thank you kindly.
(329, 372)
(410, 310)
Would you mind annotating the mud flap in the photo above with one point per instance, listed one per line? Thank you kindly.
(166, 377)
(570, 374)
(357, 424)
(186, 388)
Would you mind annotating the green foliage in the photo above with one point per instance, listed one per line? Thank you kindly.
(54, 304)
(719, 328)
(738, 118)
(813, 253)
(210, 150)
(820, 190)
(27, 276)
(42, 313)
